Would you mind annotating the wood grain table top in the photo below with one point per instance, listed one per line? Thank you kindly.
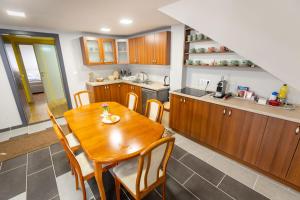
(105, 143)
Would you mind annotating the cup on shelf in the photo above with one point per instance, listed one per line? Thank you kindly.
(197, 62)
(199, 36)
(189, 38)
(194, 37)
(192, 50)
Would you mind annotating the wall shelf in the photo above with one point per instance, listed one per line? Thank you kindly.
(199, 41)
(221, 66)
(207, 53)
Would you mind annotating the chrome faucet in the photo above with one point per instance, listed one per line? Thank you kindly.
(144, 77)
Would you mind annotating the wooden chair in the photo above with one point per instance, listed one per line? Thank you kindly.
(143, 174)
(70, 138)
(154, 110)
(132, 101)
(81, 98)
(82, 167)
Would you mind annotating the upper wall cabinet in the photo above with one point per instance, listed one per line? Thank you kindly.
(122, 51)
(97, 51)
(153, 49)
(137, 50)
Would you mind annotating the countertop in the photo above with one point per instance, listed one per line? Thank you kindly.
(153, 86)
(247, 105)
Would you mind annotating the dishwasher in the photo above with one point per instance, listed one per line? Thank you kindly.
(161, 95)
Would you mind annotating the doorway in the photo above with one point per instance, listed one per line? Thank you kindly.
(37, 75)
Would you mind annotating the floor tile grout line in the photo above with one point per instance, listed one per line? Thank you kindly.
(53, 171)
(207, 180)
(54, 197)
(183, 186)
(221, 180)
(253, 187)
(155, 190)
(26, 178)
(38, 150)
(189, 178)
(6, 171)
(57, 152)
(39, 171)
(183, 155)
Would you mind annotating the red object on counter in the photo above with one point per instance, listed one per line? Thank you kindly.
(274, 103)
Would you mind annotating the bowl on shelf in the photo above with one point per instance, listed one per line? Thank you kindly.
(200, 36)
(200, 50)
(211, 49)
(234, 63)
(192, 50)
(189, 62)
(223, 63)
(197, 62)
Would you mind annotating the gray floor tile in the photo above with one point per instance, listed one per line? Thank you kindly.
(12, 182)
(61, 163)
(178, 152)
(175, 191)
(180, 172)
(56, 148)
(41, 185)
(38, 160)
(203, 169)
(238, 190)
(14, 162)
(204, 190)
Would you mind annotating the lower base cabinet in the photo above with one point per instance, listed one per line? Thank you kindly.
(266, 143)
(115, 92)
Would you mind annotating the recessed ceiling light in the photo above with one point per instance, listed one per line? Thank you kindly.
(105, 29)
(126, 21)
(15, 13)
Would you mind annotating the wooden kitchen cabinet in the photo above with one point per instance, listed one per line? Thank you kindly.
(97, 51)
(157, 48)
(115, 92)
(278, 146)
(293, 175)
(136, 50)
(180, 114)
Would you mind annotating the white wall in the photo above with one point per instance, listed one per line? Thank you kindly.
(10, 116)
(265, 32)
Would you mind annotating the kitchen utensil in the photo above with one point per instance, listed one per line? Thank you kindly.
(166, 81)
(221, 88)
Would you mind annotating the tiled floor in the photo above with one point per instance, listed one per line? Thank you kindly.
(194, 172)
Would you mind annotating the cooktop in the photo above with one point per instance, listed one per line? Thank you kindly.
(193, 92)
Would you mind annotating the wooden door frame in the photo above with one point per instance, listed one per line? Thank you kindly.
(10, 75)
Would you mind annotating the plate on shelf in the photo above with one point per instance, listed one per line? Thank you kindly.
(111, 119)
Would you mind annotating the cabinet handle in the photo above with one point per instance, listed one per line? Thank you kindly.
(224, 111)
(184, 100)
(119, 85)
(229, 113)
(180, 99)
(297, 130)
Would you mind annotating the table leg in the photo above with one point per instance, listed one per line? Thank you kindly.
(98, 176)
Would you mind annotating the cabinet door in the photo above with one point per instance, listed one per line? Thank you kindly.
(186, 116)
(175, 111)
(293, 174)
(199, 120)
(214, 125)
(231, 130)
(162, 48)
(122, 51)
(108, 51)
(140, 46)
(150, 48)
(99, 93)
(115, 92)
(278, 146)
(251, 136)
(132, 43)
(91, 53)
(124, 91)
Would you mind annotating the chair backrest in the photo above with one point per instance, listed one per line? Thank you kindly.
(152, 164)
(69, 152)
(54, 123)
(154, 110)
(81, 98)
(132, 101)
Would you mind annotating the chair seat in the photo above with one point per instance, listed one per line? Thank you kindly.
(86, 165)
(72, 140)
(127, 173)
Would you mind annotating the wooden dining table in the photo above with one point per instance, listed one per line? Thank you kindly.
(111, 143)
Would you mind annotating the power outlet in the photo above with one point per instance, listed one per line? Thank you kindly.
(203, 83)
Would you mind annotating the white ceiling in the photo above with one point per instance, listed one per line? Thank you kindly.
(87, 15)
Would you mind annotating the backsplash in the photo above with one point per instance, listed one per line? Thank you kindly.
(156, 72)
(259, 81)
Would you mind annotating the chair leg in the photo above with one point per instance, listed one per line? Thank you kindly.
(118, 188)
(163, 190)
(76, 180)
(83, 188)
